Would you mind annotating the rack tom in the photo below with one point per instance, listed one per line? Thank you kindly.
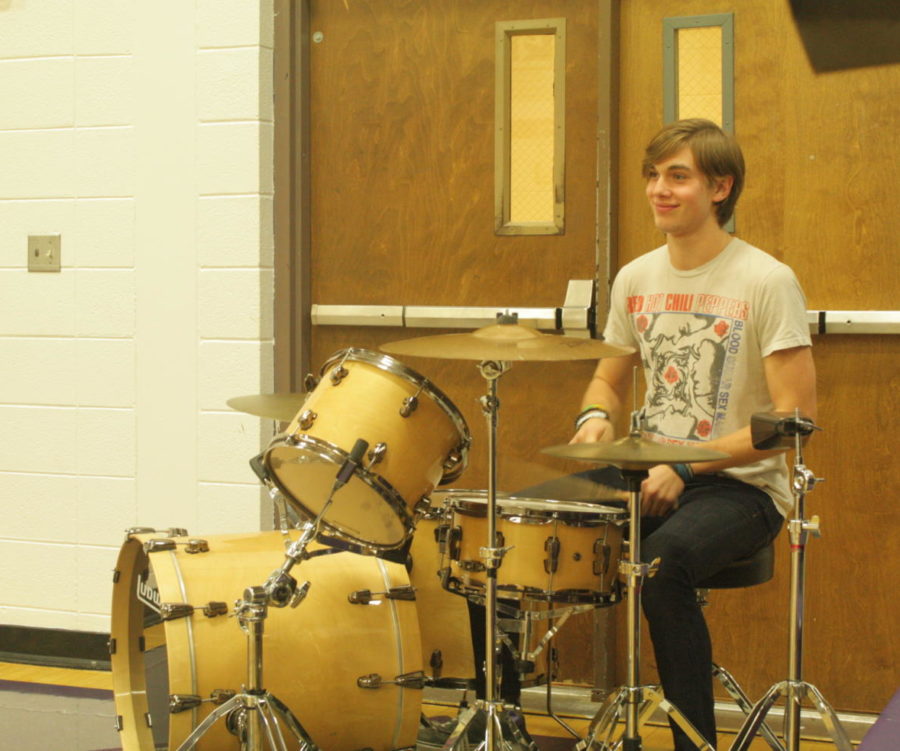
(417, 440)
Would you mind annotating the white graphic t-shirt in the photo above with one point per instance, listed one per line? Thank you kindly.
(702, 335)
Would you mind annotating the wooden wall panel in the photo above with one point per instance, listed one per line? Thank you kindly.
(403, 207)
(821, 195)
(403, 143)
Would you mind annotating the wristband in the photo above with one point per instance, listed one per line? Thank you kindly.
(589, 414)
(684, 471)
(591, 407)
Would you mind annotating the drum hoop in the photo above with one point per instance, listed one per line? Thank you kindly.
(392, 365)
(336, 454)
(518, 514)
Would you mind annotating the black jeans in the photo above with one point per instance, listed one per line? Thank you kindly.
(718, 520)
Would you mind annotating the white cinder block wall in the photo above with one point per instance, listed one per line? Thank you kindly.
(141, 132)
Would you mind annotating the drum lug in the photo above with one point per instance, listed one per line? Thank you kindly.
(365, 596)
(159, 544)
(212, 609)
(602, 555)
(410, 405)
(169, 611)
(170, 532)
(111, 645)
(183, 702)
(310, 382)
(436, 663)
(196, 545)
(452, 466)
(551, 563)
(447, 537)
(338, 374)
(131, 531)
(307, 419)
(415, 679)
(376, 453)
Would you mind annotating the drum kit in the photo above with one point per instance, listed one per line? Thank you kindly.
(356, 473)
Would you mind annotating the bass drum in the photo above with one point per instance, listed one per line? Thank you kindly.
(313, 655)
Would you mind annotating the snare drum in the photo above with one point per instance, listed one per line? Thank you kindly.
(417, 440)
(313, 655)
(447, 645)
(559, 551)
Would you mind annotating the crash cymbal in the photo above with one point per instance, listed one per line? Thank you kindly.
(505, 342)
(281, 407)
(634, 452)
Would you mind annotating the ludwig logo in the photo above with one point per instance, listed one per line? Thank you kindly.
(147, 592)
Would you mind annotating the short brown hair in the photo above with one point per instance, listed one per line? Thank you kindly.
(716, 152)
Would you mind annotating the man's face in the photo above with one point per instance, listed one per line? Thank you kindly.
(681, 197)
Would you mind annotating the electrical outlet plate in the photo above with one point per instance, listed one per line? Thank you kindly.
(44, 253)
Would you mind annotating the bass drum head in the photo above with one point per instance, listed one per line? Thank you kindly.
(313, 655)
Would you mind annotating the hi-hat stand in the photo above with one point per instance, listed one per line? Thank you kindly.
(495, 713)
(773, 430)
(253, 714)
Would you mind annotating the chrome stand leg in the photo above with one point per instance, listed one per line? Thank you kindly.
(601, 733)
(795, 689)
(744, 704)
(635, 701)
(493, 710)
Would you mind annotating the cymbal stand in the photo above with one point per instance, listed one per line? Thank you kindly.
(637, 701)
(496, 714)
(253, 713)
(795, 689)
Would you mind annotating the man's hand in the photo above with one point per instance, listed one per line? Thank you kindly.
(595, 430)
(660, 490)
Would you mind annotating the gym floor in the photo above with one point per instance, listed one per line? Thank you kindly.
(64, 709)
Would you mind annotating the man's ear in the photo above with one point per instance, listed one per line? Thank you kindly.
(723, 187)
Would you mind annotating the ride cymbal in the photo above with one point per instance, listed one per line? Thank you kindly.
(633, 452)
(281, 407)
(505, 342)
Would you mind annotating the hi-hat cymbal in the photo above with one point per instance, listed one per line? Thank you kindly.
(505, 342)
(633, 452)
(281, 407)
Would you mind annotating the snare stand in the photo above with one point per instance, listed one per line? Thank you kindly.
(496, 714)
(639, 702)
(794, 688)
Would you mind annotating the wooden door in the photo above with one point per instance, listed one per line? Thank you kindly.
(821, 196)
(402, 98)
